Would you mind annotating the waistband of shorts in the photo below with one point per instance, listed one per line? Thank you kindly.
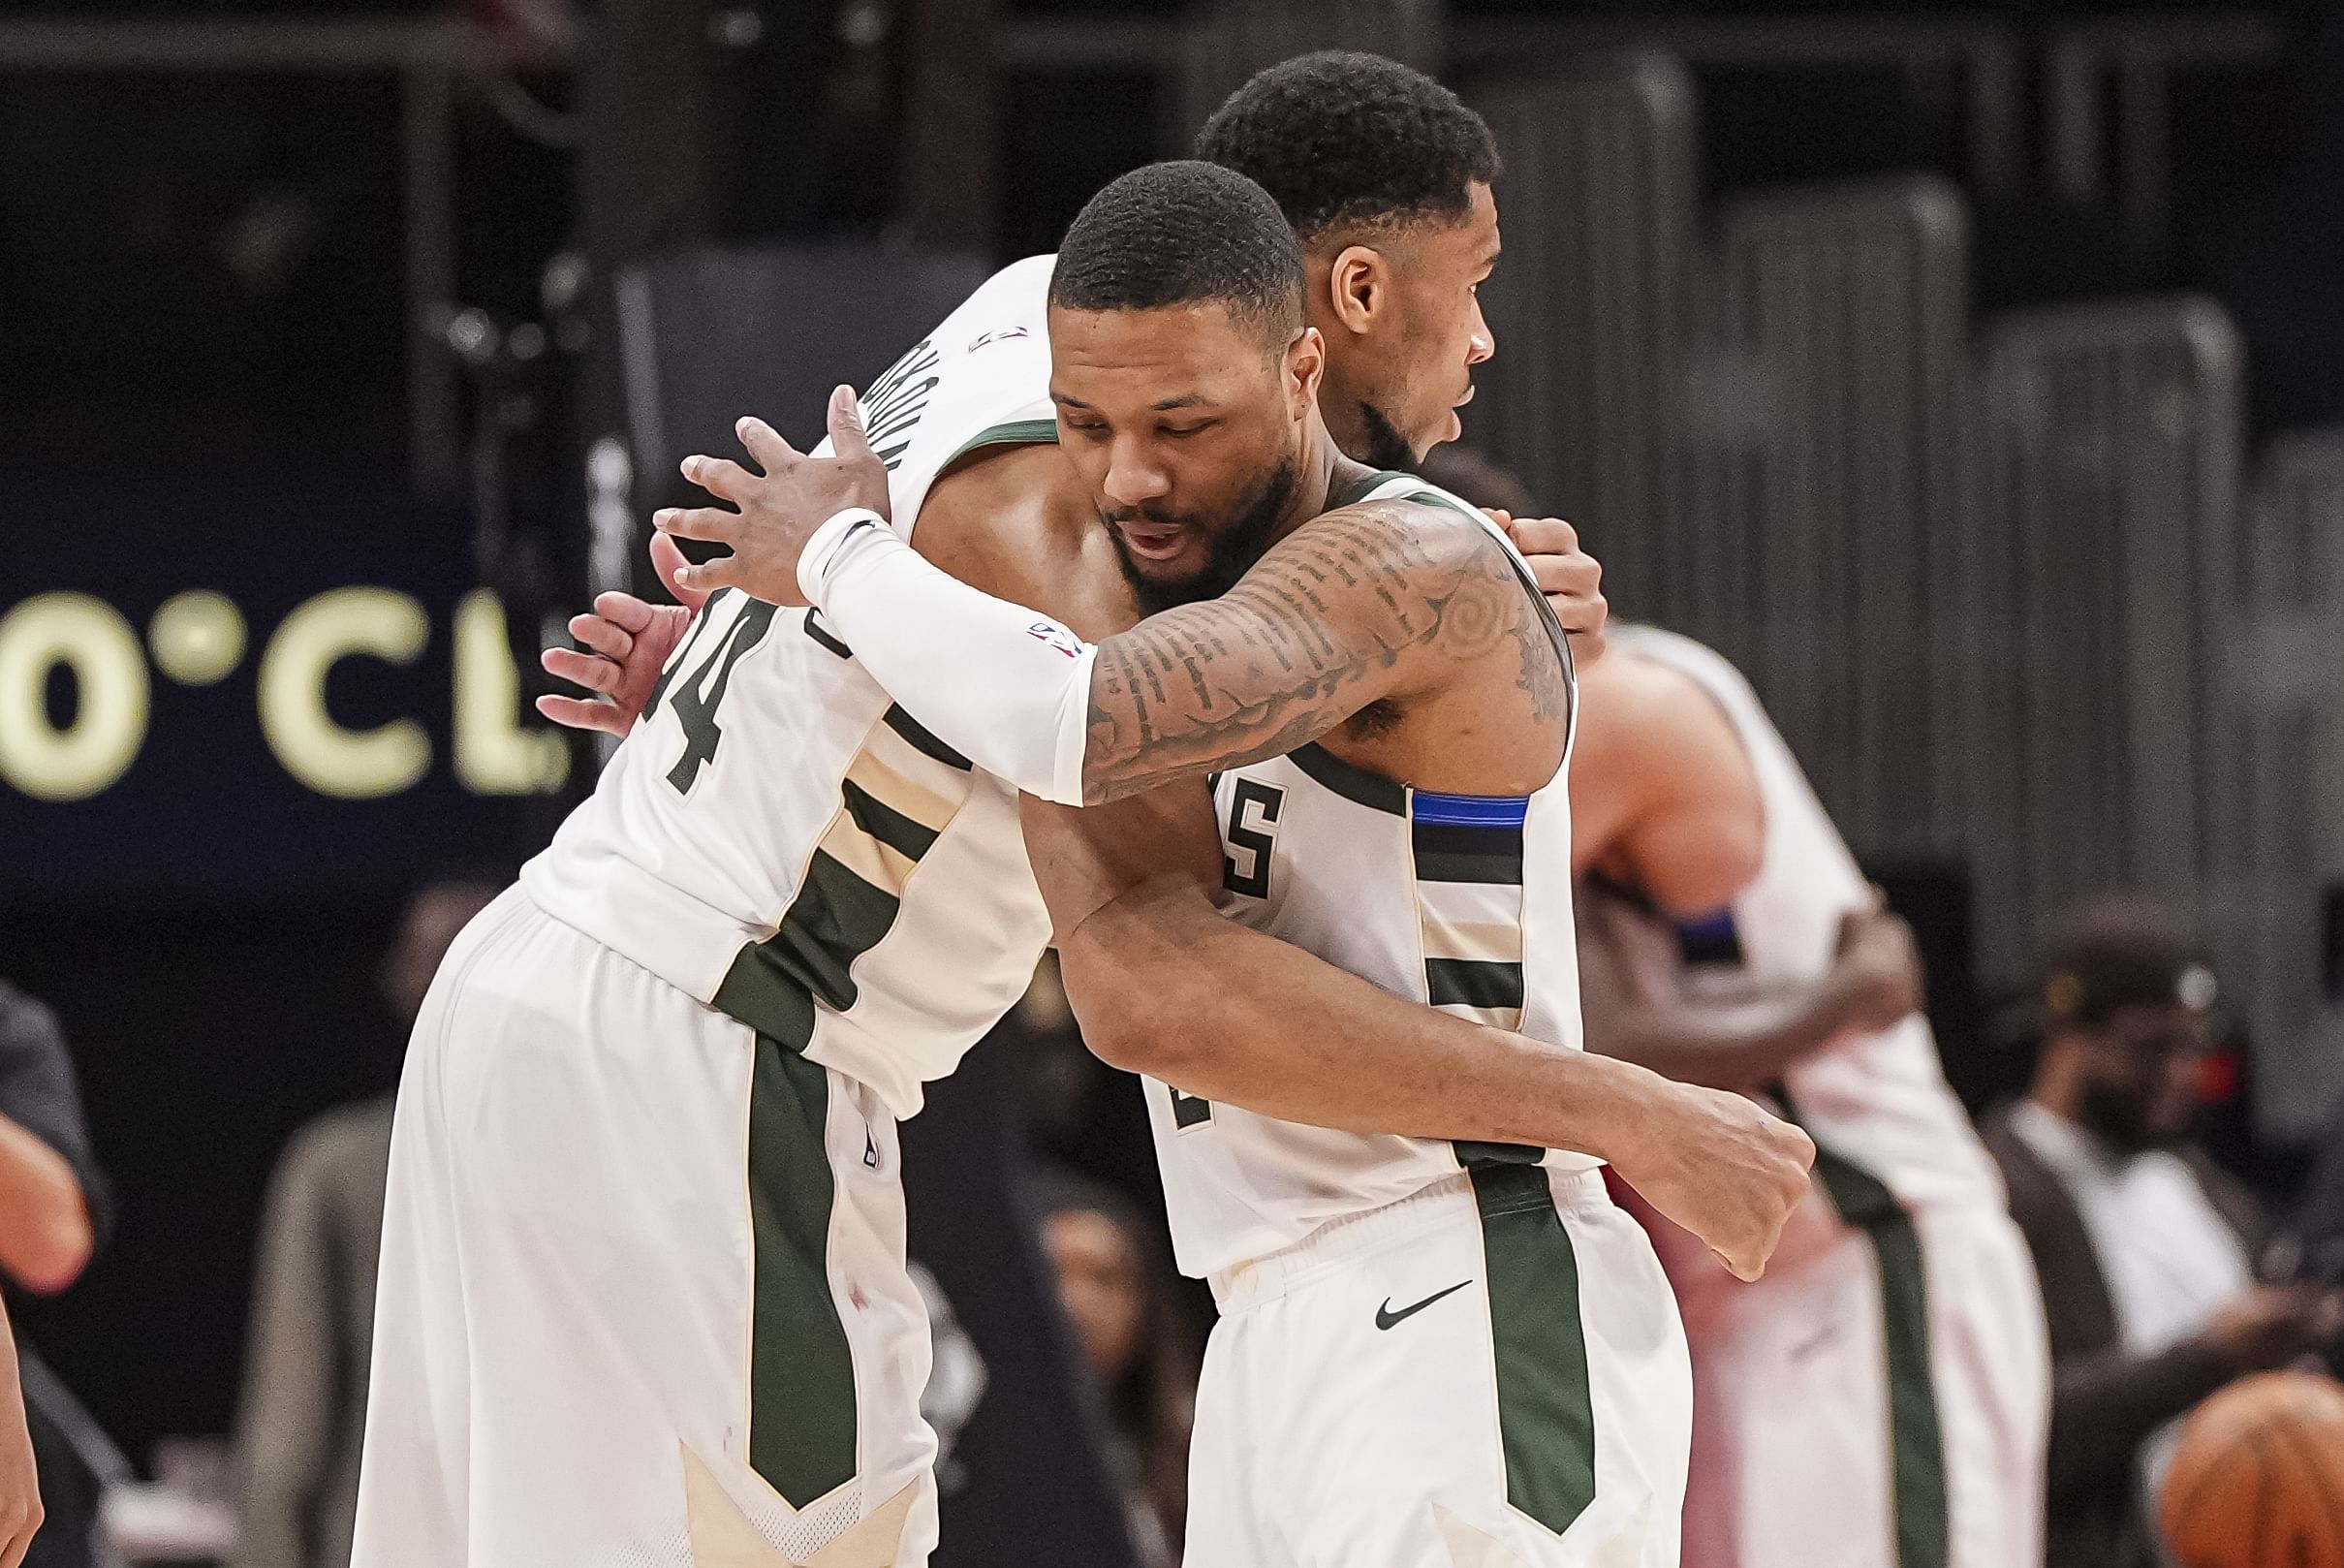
(1343, 1240)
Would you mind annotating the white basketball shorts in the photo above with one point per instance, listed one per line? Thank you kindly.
(1488, 1374)
(1880, 1402)
(644, 1300)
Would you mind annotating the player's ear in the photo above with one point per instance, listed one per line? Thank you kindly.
(1359, 288)
(1305, 367)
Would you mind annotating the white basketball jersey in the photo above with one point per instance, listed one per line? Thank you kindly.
(1880, 1101)
(777, 838)
(1459, 901)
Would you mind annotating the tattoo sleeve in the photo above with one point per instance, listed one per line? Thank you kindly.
(1358, 604)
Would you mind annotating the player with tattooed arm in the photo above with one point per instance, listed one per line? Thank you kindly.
(642, 1290)
(1384, 701)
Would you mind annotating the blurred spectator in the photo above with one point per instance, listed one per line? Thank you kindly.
(2146, 1249)
(303, 1410)
(52, 1216)
(2320, 1221)
(1113, 1274)
(1081, 1115)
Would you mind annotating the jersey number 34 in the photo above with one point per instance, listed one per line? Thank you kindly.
(695, 697)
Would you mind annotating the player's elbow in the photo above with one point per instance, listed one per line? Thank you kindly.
(1131, 989)
(1124, 1022)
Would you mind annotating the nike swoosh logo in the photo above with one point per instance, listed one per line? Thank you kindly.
(1386, 1317)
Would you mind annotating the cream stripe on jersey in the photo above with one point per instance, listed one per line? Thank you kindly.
(1480, 942)
(883, 778)
(937, 789)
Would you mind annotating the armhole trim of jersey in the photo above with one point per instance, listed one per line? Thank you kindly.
(1016, 433)
(1366, 485)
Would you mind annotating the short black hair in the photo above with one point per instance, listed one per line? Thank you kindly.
(1184, 233)
(1343, 141)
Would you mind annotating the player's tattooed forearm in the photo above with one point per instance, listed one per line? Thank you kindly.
(1310, 637)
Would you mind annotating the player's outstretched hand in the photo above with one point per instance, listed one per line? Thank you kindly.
(1723, 1168)
(779, 509)
(627, 644)
(1572, 579)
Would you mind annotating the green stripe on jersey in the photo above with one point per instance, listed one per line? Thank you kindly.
(1472, 983)
(822, 635)
(1470, 1153)
(908, 727)
(883, 821)
(1545, 1402)
(1447, 852)
(837, 918)
(1354, 784)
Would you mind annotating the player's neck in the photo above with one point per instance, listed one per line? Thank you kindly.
(1323, 471)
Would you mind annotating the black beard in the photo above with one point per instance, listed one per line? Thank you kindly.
(2120, 1117)
(1387, 448)
(1230, 552)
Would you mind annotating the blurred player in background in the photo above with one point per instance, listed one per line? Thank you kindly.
(303, 1414)
(1889, 1375)
(54, 1215)
(2148, 1251)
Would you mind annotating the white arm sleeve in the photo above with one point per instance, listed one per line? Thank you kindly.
(1006, 687)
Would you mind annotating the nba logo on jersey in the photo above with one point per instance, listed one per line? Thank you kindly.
(1057, 637)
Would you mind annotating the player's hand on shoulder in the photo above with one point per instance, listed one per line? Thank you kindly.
(627, 644)
(779, 509)
(1571, 579)
(1723, 1168)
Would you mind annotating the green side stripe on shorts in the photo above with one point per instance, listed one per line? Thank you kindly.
(1916, 1439)
(802, 1369)
(1546, 1409)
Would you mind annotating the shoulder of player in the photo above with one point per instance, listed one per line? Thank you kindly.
(1425, 537)
(1649, 722)
(987, 513)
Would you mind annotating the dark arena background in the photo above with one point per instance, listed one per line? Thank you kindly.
(1972, 377)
